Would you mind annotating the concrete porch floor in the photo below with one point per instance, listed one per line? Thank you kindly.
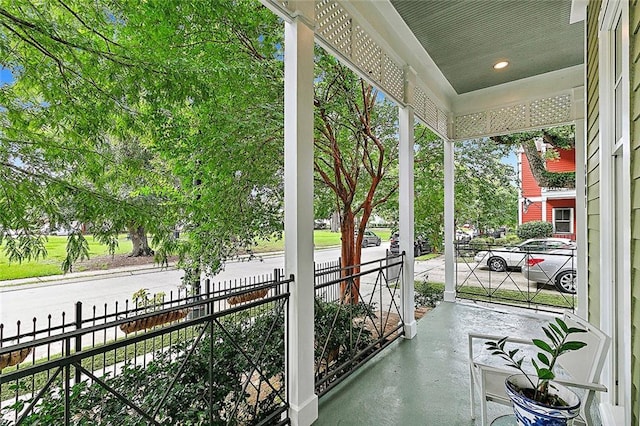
(425, 381)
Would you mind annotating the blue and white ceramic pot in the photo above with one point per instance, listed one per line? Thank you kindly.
(532, 413)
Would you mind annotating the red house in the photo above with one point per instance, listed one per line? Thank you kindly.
(554, 205)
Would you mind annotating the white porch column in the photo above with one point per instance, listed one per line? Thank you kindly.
(581, 218)
(298, 214)
(405, 196)
(449, 224)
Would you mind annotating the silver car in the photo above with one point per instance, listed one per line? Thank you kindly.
(370, 239)
(499, 259)
(557, 268)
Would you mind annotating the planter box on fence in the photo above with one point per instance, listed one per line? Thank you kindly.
(246, 297)
(152, 321)
(14, 358)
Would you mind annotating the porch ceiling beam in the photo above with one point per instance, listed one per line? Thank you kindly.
(540, 86)
(547, 100)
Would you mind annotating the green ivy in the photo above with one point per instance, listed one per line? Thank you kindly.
(559, 179)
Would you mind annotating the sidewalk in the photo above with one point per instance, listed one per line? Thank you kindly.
(116, 272)
(88, 275)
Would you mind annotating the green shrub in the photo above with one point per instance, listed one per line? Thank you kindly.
(536, 229)
(334, 330)
(512, 239)
(478, 244)
(428, 294)
(229, 344)
(501, 242)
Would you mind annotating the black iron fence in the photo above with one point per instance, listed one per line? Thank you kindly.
(538, 279)
(357, 314)
(216, 358)
(177, 358)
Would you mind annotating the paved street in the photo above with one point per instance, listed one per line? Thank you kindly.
(31, 301)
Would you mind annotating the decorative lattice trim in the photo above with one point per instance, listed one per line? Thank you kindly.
(419, 101)
(334, 25)
(470, 125)
(392, 77)
(537, 113)
(366, 54)
(508, 118)
(552, 110)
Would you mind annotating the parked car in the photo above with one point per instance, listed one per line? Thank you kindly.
(421, 245)
(319, 224)
(370, 239)
(499, 259)
(557, 268)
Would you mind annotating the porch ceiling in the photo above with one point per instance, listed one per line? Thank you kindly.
(438, 56)
(466, 38)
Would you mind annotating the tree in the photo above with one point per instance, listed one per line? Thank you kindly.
(194, 89)
(485, 191)
(355, 152)
(486, 187)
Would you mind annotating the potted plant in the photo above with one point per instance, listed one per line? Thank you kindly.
(537, 399)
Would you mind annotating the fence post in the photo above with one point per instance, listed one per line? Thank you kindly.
(78, 347)
(207, 289)
(276, 279)
(67, 384)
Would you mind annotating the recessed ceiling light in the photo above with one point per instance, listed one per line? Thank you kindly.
(500, 65)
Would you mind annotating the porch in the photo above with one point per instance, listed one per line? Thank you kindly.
(425, 381)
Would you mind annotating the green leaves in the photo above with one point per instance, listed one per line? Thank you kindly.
(119, 107)
(543, 345)
(558, 344)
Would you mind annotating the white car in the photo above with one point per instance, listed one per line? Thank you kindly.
(499, 259)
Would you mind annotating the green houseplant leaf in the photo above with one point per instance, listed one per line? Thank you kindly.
(558, 334)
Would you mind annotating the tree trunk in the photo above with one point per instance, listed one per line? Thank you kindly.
(350, 256)
(335, 222)
(139, 240)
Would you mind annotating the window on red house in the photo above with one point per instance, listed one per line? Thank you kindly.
(563, 220)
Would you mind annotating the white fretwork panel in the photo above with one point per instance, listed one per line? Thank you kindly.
(427, 111)
(419, 100)
(366, 54)
(334, 24)
(431, 113)
(442, 122)
(552, 110)
(508, 118)
(392, 77)
(470, 125)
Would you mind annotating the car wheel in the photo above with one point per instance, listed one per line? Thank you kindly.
(365, 243)
(497, 264)
(566, 282)
(378, 243)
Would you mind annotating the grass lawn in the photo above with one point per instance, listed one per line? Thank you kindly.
(514, 297)
(429, 256)
(56, 252)
(321, 238)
